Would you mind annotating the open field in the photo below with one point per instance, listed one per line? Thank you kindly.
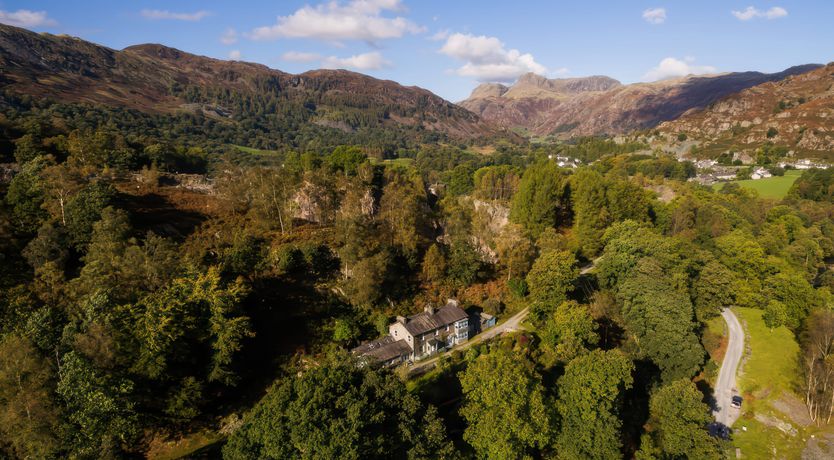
(253, 151)
(767, 379)
(773, 187)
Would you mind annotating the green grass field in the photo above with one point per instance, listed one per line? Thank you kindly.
(773, 187)
(769, 371)
(253, 151)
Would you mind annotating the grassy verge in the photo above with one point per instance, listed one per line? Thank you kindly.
(769, 371)
(773, 187)
(188, 445)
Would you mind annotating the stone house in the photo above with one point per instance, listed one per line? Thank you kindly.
(419, 336)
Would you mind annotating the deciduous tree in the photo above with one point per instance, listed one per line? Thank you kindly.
(508, 413)
(590, 396)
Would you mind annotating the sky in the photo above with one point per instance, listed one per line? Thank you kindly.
(450, 46)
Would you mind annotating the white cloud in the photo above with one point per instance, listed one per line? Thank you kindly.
(365, 61)
(752, 13)
(296, 56)
(672, 67)
(440, 35)
(335, 21)
(234, 55)
(26, 18)
(229, 37)
(486, 59)
(655, 15)
(165, 14)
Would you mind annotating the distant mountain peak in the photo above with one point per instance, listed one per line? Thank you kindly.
(602, 105)
(485, 90)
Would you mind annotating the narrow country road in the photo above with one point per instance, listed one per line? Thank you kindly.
(513, 323)
(725, 387)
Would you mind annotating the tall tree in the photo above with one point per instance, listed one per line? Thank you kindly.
(542, 198)
(509, 413)
(678, 422)
(515, 251)
(661, 320)
(713, 290)
(175, 324)
(29, 418)
(590, 395)
(339, 410)
(434, 265)
(552, 277)
(99, 406)
(570, 330)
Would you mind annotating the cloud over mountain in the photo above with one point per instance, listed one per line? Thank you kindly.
(26, 18)
(672, 67)
(336, 21)
(169, 15)
(364, 61)
(487, 59)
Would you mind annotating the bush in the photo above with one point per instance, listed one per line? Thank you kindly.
(493, 306)
(319, 258)
(288, 259)
(518, 287)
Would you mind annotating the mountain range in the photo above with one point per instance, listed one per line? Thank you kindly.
(157, 79)
(730, 110)
(796, 112)
(599, 105)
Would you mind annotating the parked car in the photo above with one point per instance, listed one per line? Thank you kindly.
(736, 402)
(719, 431)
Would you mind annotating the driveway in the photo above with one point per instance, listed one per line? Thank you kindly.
(725, 387)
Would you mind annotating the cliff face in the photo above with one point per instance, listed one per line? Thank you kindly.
(158, 79)
(602, 105)
(797, 112)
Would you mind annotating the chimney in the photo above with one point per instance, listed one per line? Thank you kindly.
(401, 320)
(429, 308)
(452, 302)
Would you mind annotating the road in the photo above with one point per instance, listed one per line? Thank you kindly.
(725, 388)
(513, 323)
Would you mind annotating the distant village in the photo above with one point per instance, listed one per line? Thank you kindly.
(711, 172)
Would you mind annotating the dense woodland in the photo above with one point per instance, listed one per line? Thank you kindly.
(134, 308)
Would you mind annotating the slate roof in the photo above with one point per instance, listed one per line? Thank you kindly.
(384, 349)
(425, 321)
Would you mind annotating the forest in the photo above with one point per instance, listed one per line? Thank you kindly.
(157, 280)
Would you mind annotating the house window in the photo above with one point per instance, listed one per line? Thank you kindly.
(395, 332)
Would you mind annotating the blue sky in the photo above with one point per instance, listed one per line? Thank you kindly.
(450, 46)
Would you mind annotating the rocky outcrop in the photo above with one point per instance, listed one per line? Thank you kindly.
(796, 112)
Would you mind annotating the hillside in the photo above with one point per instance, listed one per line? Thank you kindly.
(159, 80)
(795, 113)
(601, 105)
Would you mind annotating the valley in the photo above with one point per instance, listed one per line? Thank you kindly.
(206, 257)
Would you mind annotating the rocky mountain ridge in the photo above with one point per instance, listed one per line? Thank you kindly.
(158, 79)
(796, 112)
(601, 105)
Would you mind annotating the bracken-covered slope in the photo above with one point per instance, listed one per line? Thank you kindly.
(797, 112)
(601, 105)
(157, 79)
